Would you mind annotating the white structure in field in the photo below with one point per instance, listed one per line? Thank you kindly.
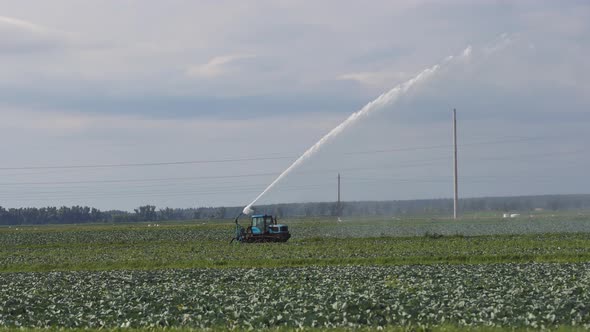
(510, 215)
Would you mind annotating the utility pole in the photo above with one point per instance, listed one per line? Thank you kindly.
(338, 207)
(456, 196)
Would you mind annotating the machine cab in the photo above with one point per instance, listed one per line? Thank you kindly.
(259, 223)
(264, 224)
(264, 228)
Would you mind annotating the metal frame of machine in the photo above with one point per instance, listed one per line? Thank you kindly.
(263, 228)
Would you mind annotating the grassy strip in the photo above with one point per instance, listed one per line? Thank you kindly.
(207, 253)
(298, 262)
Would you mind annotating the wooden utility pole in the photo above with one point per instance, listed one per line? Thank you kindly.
(338, 207)
(456, 196)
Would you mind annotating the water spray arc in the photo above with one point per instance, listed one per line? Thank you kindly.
(380, 102)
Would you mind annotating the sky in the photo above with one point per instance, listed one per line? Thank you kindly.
(117, 104)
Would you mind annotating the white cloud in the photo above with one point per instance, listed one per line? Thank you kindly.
(217, 66)
(20, 24)
(20, 36)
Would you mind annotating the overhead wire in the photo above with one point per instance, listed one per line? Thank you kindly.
(65, 195)
(166, 163)
(426, 162)
(258, 158)
(155, 182)
(433, 147)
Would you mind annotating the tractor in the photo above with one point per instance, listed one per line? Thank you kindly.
(263, 228)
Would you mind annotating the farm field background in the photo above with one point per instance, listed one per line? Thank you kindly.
(528, 272)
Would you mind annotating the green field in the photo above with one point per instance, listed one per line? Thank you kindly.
(479, 272)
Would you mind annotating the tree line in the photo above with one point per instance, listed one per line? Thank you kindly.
(146, 213)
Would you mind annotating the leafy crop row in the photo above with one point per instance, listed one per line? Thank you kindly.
(508, 295)
(300, 229)
(191, 252)
(568, 247)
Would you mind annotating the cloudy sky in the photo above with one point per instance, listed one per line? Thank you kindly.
(115, 104)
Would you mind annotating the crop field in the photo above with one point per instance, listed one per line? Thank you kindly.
(525, 295)
(395, 274)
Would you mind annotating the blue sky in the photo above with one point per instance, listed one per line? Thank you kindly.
(120, 82)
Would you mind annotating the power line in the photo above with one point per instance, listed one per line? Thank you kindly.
(234, 160)
(212, 161)
(209, 190)
(531, 155)
(51, 195)
(419, 163)
(307, 187)
(138, 180)
(443, 146)
(415, 163)
(63, 195)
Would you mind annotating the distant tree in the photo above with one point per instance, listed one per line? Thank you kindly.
(219, 213)
(554, 204)
(146, 213)
(165, 214)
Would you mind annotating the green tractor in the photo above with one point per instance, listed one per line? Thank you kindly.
(263, 228)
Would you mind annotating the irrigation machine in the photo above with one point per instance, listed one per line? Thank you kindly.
(263, 228)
